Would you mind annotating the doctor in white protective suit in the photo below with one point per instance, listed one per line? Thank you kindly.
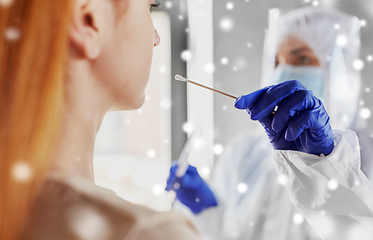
(323, 196)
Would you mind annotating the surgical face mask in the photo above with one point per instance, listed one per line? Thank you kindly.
(311, 77)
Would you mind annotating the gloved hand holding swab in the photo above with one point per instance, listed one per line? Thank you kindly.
(188, 185)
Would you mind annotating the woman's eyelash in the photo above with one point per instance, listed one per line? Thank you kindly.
(155, 5)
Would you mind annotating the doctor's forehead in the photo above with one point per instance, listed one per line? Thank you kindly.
(293, 46)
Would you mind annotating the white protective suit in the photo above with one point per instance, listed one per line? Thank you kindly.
(252, 202)
(331, 192)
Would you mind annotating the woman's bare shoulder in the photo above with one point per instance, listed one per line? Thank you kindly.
(74, 208)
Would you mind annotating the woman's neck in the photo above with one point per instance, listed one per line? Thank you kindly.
(74, 149)
(86, 106)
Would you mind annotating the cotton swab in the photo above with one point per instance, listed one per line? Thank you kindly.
(183, 79)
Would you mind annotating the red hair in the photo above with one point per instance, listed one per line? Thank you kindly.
(33, 49)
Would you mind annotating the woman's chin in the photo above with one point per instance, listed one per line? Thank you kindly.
(130, 105)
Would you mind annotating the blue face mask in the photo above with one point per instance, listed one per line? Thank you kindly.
(311, 77)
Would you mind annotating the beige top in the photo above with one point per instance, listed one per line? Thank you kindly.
(73, 208)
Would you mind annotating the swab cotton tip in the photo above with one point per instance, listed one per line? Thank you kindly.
(180, 78)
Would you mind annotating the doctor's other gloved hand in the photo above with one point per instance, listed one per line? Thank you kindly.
(300, 123)
(191, 190)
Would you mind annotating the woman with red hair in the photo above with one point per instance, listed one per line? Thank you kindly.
(63, 65)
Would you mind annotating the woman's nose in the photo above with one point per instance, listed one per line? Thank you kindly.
(157, 39)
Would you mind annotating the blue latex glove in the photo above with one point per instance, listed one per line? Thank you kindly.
(191, 190)
(301, 122)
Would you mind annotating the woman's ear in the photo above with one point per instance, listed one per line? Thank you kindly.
(83, 32)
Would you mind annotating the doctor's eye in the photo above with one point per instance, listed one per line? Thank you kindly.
(304, 60)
